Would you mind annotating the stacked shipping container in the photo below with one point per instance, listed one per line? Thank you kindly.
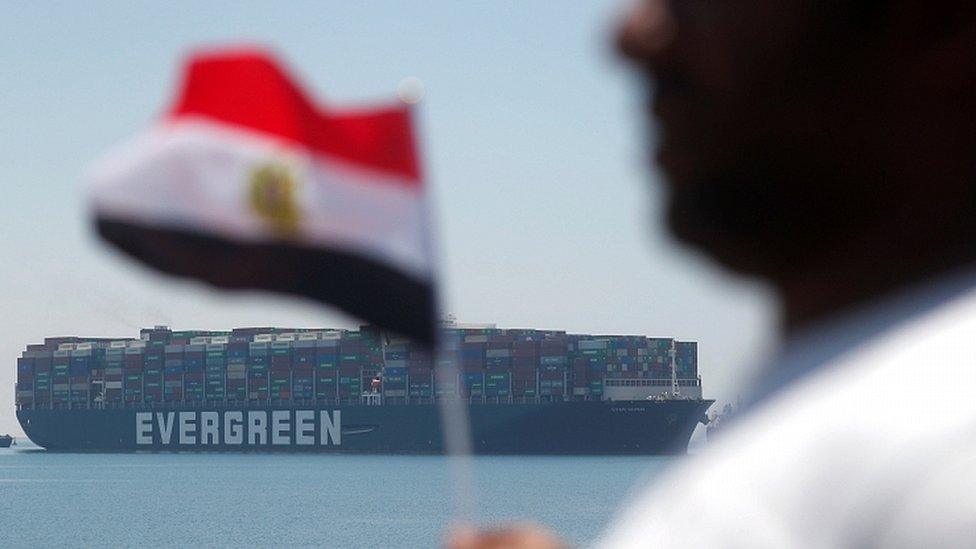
(287, 365)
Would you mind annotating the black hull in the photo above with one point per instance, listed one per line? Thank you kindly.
(559, 428)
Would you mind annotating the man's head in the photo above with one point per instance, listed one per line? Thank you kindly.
(789, 128)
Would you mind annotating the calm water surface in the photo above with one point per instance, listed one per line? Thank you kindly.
(286, 500)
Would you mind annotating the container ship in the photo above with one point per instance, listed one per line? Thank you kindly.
(527, 391)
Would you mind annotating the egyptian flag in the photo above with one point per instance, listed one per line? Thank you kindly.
(246, 183)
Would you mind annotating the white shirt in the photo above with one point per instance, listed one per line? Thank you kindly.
(868, 438)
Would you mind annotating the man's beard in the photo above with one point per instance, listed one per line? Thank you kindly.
(767, 225)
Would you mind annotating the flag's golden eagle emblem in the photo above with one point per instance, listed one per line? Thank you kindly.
(274, 197)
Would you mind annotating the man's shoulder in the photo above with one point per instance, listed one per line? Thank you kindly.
(815, 459)
(915, 380)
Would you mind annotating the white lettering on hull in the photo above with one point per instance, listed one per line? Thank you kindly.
(209, 434)
(188, 428)
(330, 428)
(257, 427)
(304, 427)
(280, 427)
(239, 428)
(144, 428)
(233, 427)
(166, 422)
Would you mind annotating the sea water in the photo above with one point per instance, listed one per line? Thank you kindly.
(295, 500)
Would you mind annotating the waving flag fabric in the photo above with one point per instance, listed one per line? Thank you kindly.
(246, 183)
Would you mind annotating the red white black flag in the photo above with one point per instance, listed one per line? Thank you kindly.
(246, 183)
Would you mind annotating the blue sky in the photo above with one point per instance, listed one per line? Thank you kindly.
(535, 149)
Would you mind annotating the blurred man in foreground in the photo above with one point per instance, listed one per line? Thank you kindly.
(828, 147)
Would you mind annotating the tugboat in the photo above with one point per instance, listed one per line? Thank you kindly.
(6, 441)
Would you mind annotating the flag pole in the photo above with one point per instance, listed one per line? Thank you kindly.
(454, 416)
(456, 429)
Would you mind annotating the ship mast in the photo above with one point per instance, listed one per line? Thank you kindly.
(374, 395)
(672, 353)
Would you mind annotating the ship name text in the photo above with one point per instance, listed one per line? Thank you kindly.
(240, 428)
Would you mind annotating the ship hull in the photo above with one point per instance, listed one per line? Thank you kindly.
(558, 428)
